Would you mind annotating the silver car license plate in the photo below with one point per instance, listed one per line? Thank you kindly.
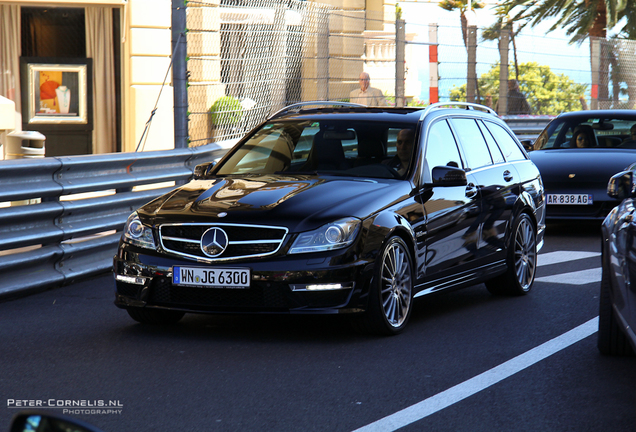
(569, 199)
(211, 277)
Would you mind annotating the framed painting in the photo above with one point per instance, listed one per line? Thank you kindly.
(57, 93)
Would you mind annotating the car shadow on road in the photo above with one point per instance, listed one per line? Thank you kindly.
(316, 328)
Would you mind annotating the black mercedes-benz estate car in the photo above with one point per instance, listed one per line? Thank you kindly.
(340, 208)
(617, 312)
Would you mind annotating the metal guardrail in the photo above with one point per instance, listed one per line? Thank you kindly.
(65, 237)
(527, 127)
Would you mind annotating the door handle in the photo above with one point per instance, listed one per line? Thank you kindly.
(471, 190)
(507, 176)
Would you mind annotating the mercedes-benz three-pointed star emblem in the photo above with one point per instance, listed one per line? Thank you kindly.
(214, 242)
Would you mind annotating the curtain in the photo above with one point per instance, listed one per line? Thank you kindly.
(10, 58)
(99, 47)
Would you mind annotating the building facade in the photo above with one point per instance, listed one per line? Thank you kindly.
(88, 74)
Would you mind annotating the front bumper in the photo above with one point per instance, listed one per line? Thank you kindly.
(278, 285)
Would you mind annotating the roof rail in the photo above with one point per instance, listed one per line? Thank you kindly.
(466, 105)
(297, 106)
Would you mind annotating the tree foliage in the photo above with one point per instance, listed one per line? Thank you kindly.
(462, 6)
(547, 93)
(579, 18)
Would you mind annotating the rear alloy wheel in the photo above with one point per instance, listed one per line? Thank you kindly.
(391, 292)
(611, 339)
(521, 260)
(155, 316)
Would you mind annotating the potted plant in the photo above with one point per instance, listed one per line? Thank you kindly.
(225, 114)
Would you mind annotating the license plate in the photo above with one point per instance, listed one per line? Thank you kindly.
(230, 278)
(569, 199)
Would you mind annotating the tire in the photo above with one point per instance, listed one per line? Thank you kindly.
(521, 260)
(611, 339)
(391, 291)
(155, 316)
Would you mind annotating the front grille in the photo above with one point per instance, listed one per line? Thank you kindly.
(162, 292)
(260, 296)
(244, 241)
(128, 290)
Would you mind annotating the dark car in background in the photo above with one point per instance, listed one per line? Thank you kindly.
(577, 153)
(340, 208)
(617, 313)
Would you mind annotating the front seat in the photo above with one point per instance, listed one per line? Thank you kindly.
(326, 154)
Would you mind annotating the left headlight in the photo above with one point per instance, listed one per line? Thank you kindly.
(137, 233)
(334, 235)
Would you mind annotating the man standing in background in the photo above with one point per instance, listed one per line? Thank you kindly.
(366, 95)
(517, 103)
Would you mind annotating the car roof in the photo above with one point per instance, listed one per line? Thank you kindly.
(613, 114)
(348, 111)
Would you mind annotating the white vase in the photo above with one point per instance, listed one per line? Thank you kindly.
(63, 98)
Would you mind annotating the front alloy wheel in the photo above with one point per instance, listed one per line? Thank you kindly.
(391, 293)
(396, 284)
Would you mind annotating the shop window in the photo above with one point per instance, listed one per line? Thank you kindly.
(53, 32)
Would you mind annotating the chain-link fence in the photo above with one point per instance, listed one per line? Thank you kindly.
(553, 76)
(249, 58)
(616, 62)
(549, 80)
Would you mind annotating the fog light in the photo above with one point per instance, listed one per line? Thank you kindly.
(135, 280)
(322, 287)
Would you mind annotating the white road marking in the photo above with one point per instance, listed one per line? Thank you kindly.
(481, 382)
(563, 256)
(581, 277)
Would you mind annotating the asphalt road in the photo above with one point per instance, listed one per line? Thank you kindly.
(467, 362)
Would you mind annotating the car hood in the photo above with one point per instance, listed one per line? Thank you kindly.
(297, 202)
(581, 165)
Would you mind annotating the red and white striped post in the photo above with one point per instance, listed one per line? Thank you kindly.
(432, 64)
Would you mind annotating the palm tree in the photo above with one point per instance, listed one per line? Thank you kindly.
(493, 32)
(463, 7)
(580, 19)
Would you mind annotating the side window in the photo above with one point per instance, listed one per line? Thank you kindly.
(472, 142)
(495, 151)
(507, 144)
(441, 149)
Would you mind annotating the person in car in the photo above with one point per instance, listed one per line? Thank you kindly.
(632, 135)
(583, 137)
(404, 144)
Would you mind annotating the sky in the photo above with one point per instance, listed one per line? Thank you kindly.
(535, 44)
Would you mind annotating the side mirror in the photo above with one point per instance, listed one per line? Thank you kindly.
(201, 171)
(527, 144)
(45, 422)
(621, 185)
(449, 176)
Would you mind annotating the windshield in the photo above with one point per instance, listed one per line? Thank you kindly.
(570, 133)
(362, 148)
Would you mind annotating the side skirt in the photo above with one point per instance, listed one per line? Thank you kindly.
(462, 280)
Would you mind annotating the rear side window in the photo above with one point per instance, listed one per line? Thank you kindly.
(472, 142)
(507, 144)
(441, 149)
(495, 151)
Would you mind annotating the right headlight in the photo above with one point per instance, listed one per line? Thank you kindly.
(137, 233)
(334, 235)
